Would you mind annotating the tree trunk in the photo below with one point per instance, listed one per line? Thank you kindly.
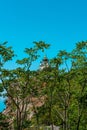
(78, 123)
(19, 122)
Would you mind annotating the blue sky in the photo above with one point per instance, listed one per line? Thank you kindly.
(62, 23)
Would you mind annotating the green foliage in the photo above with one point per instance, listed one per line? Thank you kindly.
(6, 53)
(60, 89)
(3, 123)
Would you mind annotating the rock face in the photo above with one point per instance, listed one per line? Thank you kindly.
(29, 105)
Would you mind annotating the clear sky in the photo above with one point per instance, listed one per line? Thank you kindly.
(62, 23)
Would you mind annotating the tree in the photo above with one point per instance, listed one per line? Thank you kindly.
(6, 54)
(20, 88)
(79, 61)
(65, 89)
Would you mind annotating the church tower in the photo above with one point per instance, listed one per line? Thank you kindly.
(44, 63)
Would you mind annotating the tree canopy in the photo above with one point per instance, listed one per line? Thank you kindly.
(55, 95)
